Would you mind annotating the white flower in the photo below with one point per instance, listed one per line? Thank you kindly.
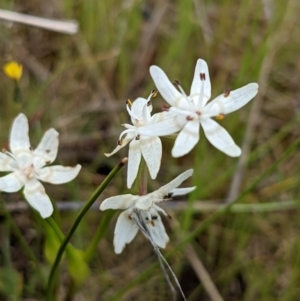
(126, 228)
(140, 145)
(194, 110)
(27, 166)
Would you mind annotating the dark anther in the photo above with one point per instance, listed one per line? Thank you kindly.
(226, 93)
(165, 108)
(202, 76)
(137, 137)
(149, 103)
(189, 118)
(119, 142)
(176, 82)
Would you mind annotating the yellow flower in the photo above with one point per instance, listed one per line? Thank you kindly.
(13, 70)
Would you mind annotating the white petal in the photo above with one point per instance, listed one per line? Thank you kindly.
(157, 229)
(183, 191)
(152, 152)
(134, 159)
(7, 163)
(220, 138)
(119, 202)
(231, 101)
(137, 108)
(166, 88)
(125, 231)
(125, 141)
(58, 174)
(201, 67)
(170, 187)
(46, 151)
(186, 139)
(36, 196)
(164, 128)
(19, 138)
(145, 202)
(12, 182)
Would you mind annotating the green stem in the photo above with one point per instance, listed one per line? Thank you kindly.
(91, 249)
(143, 178)
(73, 228)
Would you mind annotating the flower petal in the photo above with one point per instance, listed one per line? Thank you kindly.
(134, 159)
(183, 191)
(166, 88)
(231, 101)
(151, 149)
(138, 109)
(46, 151)
(125, 231)
(170, 187)
(157, 229)
(198, 81)
(186, 139)
(19, 138)
(36, 196)
(164, 128)
(58, 174)
(125, 141)
(7, 163)
(119, 202)
(12, 182)
(220, 138)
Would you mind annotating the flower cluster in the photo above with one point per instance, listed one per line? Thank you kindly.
(185, 115)
(126, 228)
(28, 166)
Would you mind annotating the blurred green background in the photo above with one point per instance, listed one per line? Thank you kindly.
(79, 84)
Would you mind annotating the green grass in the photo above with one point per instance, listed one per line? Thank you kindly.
(249, 255)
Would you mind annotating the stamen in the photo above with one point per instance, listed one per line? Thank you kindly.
(201, 95)
(220, 116)
(165, 108)
(120, 142)
(226, 93)
(188, 100)
(189, 118)
(128, 102)
(137, 137)
(154, 93)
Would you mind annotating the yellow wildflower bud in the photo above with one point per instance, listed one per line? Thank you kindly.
(13, 70)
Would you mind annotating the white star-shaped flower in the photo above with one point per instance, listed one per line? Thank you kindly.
(194, 110)
(27, 166)
(126, 228)
(140, 145)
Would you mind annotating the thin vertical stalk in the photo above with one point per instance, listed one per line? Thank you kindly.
(76, 223)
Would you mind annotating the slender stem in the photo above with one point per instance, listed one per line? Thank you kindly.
(91, 249)
(73, 228)
(143, 178)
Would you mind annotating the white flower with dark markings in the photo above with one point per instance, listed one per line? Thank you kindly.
(140, 145)
(27, 166)
(126, 228)
(191, 112)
